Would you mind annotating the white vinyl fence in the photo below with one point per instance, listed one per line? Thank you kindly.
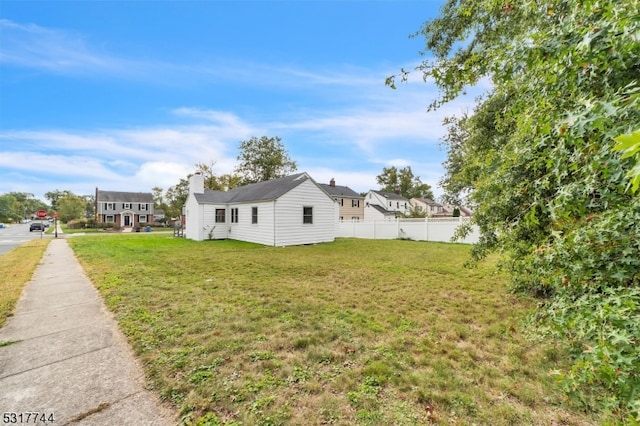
(429, 229)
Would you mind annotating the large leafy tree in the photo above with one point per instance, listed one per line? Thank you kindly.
(175, 198)
(217, 182)
(71, 206)
(393, 179)
(19, 205)
(263, 159)
(55, 195)
(8, 211)
(536, 161)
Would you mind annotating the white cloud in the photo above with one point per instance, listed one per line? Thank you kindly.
(346, 115)
(33, 46)
(160, 173)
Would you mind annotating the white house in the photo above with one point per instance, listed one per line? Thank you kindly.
(380, 205)
(288, 211)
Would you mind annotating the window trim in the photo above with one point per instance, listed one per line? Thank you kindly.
(220, 218)
(234, 215)
(254, 215)
(307, 216)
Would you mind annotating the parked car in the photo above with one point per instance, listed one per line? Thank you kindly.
(1, 225)
(36, 226)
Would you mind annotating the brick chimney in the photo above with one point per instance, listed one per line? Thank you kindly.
(332, 182)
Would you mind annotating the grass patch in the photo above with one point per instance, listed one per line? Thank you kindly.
(17, 267)
(352, 332)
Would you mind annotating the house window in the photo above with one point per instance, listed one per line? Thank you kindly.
(254, 215)
(355, 203)
(143, 207)
(126, 206)
(389, 203)
(234, 215)
(307, 215)
(110, 206)
(220, 215)
(109, 219)
(143, 218)
(342, 201)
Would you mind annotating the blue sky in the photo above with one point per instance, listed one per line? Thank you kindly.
(128, 95)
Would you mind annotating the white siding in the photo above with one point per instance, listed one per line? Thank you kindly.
(194, 219)
(370, 214)
(210, 229)
(244, 230)
(280, 222)
(290, 229)
(375, 198)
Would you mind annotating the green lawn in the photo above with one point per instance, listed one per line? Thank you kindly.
(17, 267)
(352, 332)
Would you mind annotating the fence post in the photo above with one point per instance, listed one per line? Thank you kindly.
(426, 228)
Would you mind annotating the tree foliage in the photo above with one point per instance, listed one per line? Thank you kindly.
(213, 181)
(263, 159)
(393, 179)
(176, 197)
(536, 161)
(629, 145)
(71, 206)
(15, 206)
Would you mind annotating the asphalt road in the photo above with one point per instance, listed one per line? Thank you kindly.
(16, 234)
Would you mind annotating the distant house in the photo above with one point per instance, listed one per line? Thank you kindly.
(380, 205)
(351, 204)
(125, 209)
(464, 211)
(431, 208)
(292, 210)
(158, 216)
(435, 209)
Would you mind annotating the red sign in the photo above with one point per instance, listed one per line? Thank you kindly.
(42, 214)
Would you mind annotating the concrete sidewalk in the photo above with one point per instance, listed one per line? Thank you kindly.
(69, 358)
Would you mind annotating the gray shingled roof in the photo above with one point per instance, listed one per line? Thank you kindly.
(390, 195)
(125, 197)
(261, 191)
(340, 191)
(429, 202)
(383, 210)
